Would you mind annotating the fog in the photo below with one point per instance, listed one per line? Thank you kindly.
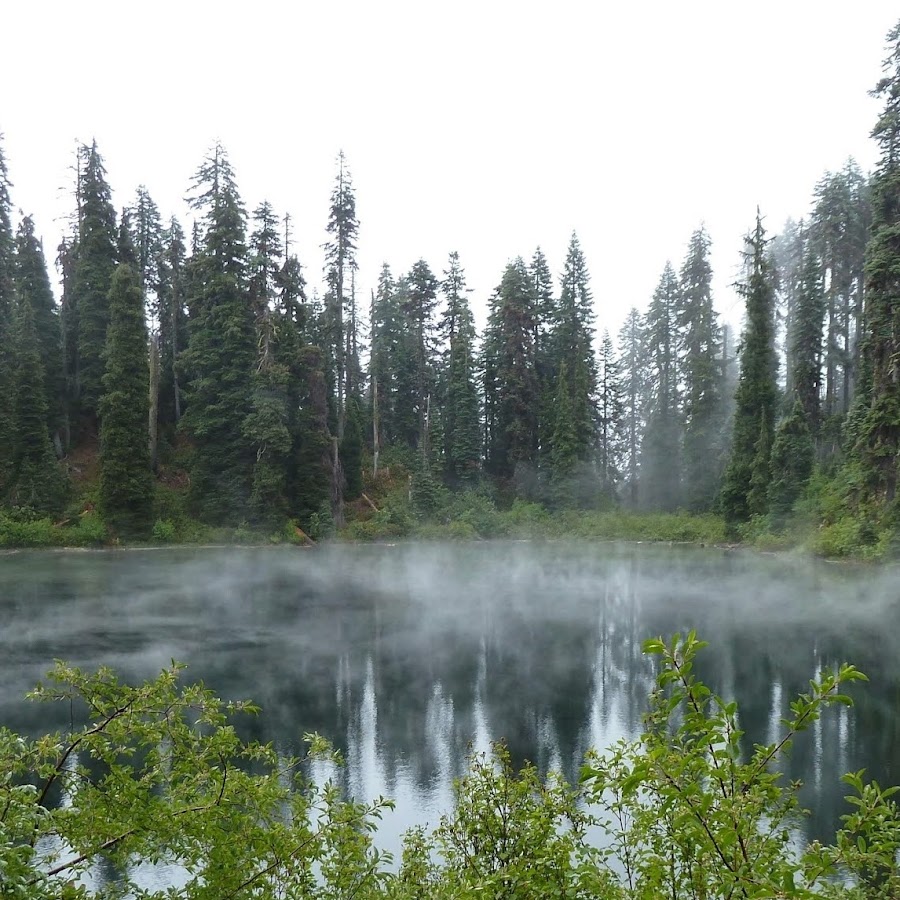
(405, 656)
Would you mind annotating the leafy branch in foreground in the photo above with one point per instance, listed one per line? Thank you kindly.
(159, 774)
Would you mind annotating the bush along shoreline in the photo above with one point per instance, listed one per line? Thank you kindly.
(158, 774)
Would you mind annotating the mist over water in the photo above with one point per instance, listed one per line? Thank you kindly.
(405, 656)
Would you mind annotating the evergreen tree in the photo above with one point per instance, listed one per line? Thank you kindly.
(222, 350)
(171, 318)
(876, 437)
(33, 282)
(839, 230)
(147, 237)
(126, 480)
(756, 394)
(701, 376)
(37, 481)
(7, 327)
(544, 312)
(511, 388)
(563, 443)
(267, 425)
(95, 260)
(761, 471)
(418, 306)
(387, 327)
(805, 355)
(791, 462)
(340, 257)
(572, 341)
(461, 426)
(786, 252)
(610, 418)
(661, 460)
(633, 373)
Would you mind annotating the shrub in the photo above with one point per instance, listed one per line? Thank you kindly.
(164, 531)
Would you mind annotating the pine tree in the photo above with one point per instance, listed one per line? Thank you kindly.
(340, 257)
(661, 459)
(702, 377)
(266, 427)
(610, 419)
(461, 426)
(563, 443)
(572, 340)
(221, 352)
(876, 438)
(418, 306)
(171, 318)
(386, 327)
(95, 260)
(838, 231)
(7, 328)
(756, 395)
(511, 388)
(791, 462)
(761, 471)
(544, 311)
(33, 282)
(633, 372)
(126, 480)
(37, 481)
(805, 354)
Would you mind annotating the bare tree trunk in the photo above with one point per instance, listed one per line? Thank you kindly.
(337, 485)
(376, 445)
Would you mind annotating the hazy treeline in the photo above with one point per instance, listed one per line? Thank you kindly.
(207, 354)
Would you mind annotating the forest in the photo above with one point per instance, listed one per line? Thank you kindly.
(184, 382)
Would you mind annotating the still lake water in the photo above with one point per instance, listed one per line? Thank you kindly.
(406, 656)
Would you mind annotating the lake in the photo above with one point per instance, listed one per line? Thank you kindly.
(407, 656)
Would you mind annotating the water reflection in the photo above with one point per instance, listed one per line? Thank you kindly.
(407, 657)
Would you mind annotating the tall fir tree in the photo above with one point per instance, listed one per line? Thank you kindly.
(563, 455)
(702, 377)
(572, 340)
(661, 459)
(172, 323)
(511, 387)
(793, 455)
(544, 310)
(221, 352)
(805, 351)
(126, 479)
(875, 435)
(95, 255)
(33, 282)
(632, 366)
(757, 393)
(7, 327)
(387, 326)
(267, 426)
(37, 481)
(460, 419)
(610, 419)
(418, 305)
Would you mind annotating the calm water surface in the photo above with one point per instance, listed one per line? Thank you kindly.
(406, 656)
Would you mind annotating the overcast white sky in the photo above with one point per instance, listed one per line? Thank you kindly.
(484, 127)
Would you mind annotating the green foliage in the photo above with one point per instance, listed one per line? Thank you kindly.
(36, 479)
(95, 258)
(159, 773)
(222, 351)
(164, 531)
(126, 480)
(791, 462)
(756, 393)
